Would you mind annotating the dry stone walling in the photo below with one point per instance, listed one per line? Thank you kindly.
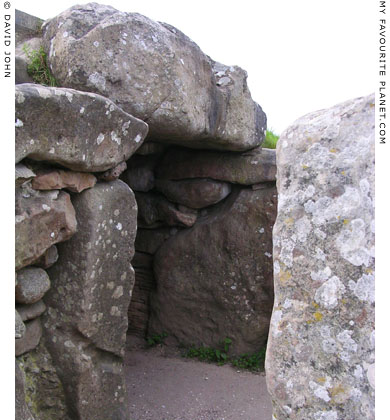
(320, 355)
(203, 260)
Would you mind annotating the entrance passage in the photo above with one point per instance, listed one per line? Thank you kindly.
(164, 386)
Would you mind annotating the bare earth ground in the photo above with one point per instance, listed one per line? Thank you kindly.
(163, 385)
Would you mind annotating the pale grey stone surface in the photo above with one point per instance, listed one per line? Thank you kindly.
(156, 73)
(320, 354)
(81, 131)
(33, 283)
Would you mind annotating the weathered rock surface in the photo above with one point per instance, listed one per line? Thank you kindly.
(320, 355)
(155, 208)
(30, 339)
(139, 175)
(42, 219)
(49, 258)
(150, 240)
(44, 394)
(86, 320)
(31, 311)
(81, 131)
(33, 283)
(253, 167)
(22, 412)
(194, 193)
(212, 281)
(155, 72)
(56, 179)
(20, 328)
(22, 174)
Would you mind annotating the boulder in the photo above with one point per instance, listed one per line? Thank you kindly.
(320, 354)
(194, 193)
(31, 311)
(86, 320)
(33, 283)
(155, 208)
(81, 131)
(253, 167)
(30, 339)
(56, 179)
(42, 220)
(22, 411)
(155, 72)
(20, 328)
(212, 281)
(49, 258)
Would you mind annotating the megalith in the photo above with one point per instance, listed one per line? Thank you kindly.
(320, 355)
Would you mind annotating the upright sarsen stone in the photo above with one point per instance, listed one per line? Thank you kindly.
(320, 355)
(86, 318)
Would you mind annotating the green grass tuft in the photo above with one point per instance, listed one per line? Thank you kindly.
(38, 68)
(270, 140)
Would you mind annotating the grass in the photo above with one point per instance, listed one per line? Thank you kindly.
(270, 140)
(37, 67)
(252, 362)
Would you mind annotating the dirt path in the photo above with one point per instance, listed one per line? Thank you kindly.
(164, 386)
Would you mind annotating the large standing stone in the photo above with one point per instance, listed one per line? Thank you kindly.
(320, 356)
(155, 72)
(81, 131)
(33, 283)
(253, 167)
(42, 219)
(212, 281)
(86, 320)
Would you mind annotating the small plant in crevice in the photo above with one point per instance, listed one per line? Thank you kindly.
(156, 339)
(253, 362)
(38, 68)
(270, 140)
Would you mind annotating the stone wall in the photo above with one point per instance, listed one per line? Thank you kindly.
(320, 355)
(139, 108)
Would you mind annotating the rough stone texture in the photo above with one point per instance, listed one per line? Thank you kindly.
(155, 208)
(33, 283)
(31, 311)
(114, 173)
(212, 281)
(56, 179)
(253, 167)
(150, 240)
(22, 174)
(20, 328)
(22, 411)
(49, 258)
(44, 393)
(26, 26)
(42, 219)
(86, 320)
(194, 193)
(155, 72)
(30, 339)
(320, 355)
(81, 131)
(139, 175)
